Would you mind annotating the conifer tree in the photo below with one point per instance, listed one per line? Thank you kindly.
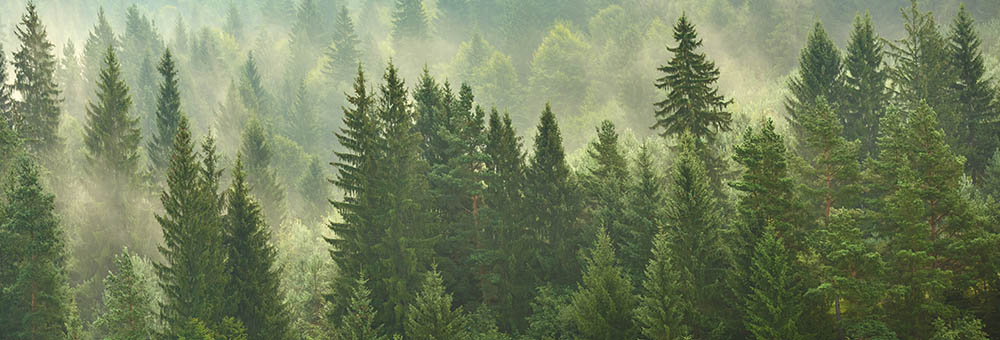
(694, 229)
(663, 305)
(34, 74)
(255, 98)
(644, 212)
(431, 315)
(315, 192)
(260, 174)
(302, 123)
(921, 70)
(819, 75)
(168, 114)
(129, 313)
(607, 182)
(352, 249)
(253, 286)
(7, 114)
(976, 111)
(506, 240)
(865, 92)
(693, 102)
(409, 21)
(95, 49)
(193, 274)
(343, 53)
(33, 301)
(553, 205)
(234, 23)
(833, 176)
(112, 134)
(773, 307)
(70, 75)
(603, 306)
(359, 322)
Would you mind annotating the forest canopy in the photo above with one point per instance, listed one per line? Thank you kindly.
(499, 169)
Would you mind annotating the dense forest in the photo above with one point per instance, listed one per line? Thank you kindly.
(500, 169)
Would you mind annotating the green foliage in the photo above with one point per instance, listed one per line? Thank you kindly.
(168, 114)
(819, 76)
(603, 306)
(33, 302)
(965, 329)
(34, 78)
(774, 305)
(664, 305)
(431, 315)
(409, 21)
(344, 53)
(608, 182)
(693, 102)
(975, 96)
(261, 178)
(553, 204)
(112, 134)
(254, 294)
(95, 49)
(193, 274)
(832, 177)
(7, 114)
(359, 322)
(559, 68)
(129, 313)
(865, 91)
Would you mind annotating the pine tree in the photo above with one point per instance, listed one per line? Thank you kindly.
(922, 72)
(34, 74)
(819, 75)
(431, 315)
(773, 307)
(833, 175)
(507, 238)
(603, 306)
(553, 205)
(112, 134)
(168, 114)
(694, 231)
(255, 98)
(409, 21)
(356, 235)
(95, 49)
(33, 302)
(607, 182)
(693, 103)
(315, 192)
(7, 114)
(644, 212)
(70, 75)
(663, 305)
(344, 53)
(359, 322)
(865, 92)
(234, 23)
(302, 123)
(976, 110)
(129, 312)
(253, 287)
(193, 274)
(260, 174)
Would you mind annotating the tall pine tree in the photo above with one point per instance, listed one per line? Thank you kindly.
(129, 312)
(603, 306)
(976, 109)
(260, 174)
(663, 306)
(168, 114)
(34, 74)
(865, 90)
(774, 304)
(818, 76)
(253, 287)
(112, 134)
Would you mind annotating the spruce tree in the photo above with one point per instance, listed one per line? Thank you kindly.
(865, 91)
(254, 295)
(819, 75)
(260, 174)
(343, 53)
(553, 205)
(34, 74)
(694, 229)
(7, 114)
(603, 306)
(833, 175)
(359, 322)
(302, 124)
(409, 21)
(129, 311)
(644, 213)
(921, 70)
(431, 315)
(693, 102)
(70, 75)
(315, 191)
(251, 89)
(506, 243)
(168, 114)
(193, 274)
(607, 182)
(774, 305)
(234, 23)
(33, 301)
(976, 110)
(112, 134)
(663, 306)
(95, 49)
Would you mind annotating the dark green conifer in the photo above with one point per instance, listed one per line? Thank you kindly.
(34, 79)
(976, 110)
(603, 306)
(262, 180)
(774, 305)
(253, 290)
(865, 91)
(359, 322)
(112, 134)
(431, 315)
(663, 306)
(819, 75)
(168, 114)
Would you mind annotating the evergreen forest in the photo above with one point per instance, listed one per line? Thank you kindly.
(500, 169)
